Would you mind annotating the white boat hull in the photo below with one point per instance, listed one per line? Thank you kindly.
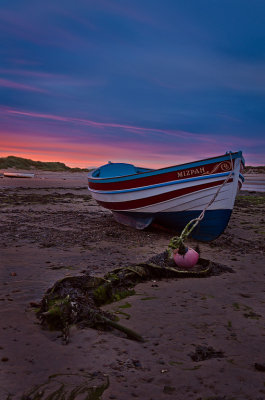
(174, 194)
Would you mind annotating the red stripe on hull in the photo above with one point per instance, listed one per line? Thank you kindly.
(148, 201)
(202, 170)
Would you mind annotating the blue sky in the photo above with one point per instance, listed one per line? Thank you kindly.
(148, 82)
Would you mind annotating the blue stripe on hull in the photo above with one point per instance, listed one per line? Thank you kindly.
(212, 225)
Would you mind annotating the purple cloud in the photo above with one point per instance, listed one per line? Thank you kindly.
(143, 131)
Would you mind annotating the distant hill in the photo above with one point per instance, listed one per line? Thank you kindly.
(25, 163)
(254, 170)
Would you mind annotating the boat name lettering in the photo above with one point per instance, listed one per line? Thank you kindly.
(191, 172)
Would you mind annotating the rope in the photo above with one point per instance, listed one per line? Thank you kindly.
(178, 241)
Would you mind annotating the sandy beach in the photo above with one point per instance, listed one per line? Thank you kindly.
(52, 228)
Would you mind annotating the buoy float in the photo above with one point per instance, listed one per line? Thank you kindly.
(186, 260)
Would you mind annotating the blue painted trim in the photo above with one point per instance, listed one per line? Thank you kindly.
(195, 164)
(199, 178)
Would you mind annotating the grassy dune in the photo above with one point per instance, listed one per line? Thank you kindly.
(25, 163)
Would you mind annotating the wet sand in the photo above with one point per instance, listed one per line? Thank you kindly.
(51, 228)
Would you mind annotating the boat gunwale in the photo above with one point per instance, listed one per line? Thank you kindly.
(160, 171)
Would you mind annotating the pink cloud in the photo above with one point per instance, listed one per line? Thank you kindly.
(86, 147)
(95, 153)
(20, 86)
(51, 78)
(24, 72)
(77, 154)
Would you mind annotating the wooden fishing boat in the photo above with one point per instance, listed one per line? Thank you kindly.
(171, 196)
(18, 175)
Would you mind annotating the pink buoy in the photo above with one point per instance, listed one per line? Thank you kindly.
(187, 260)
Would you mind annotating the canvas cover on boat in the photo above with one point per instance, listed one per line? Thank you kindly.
(115, 169)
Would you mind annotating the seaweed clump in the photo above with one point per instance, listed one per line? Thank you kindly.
(77, 300)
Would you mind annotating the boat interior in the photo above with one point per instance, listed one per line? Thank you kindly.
(117, 169)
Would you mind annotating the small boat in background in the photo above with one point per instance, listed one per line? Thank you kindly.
(171, 196)
(18, 175)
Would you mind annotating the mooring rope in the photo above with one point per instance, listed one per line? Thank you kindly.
(178, 241)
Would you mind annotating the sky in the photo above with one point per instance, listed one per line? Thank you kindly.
(149, 82)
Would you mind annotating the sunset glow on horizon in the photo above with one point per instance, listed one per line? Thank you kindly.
(146, 83)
